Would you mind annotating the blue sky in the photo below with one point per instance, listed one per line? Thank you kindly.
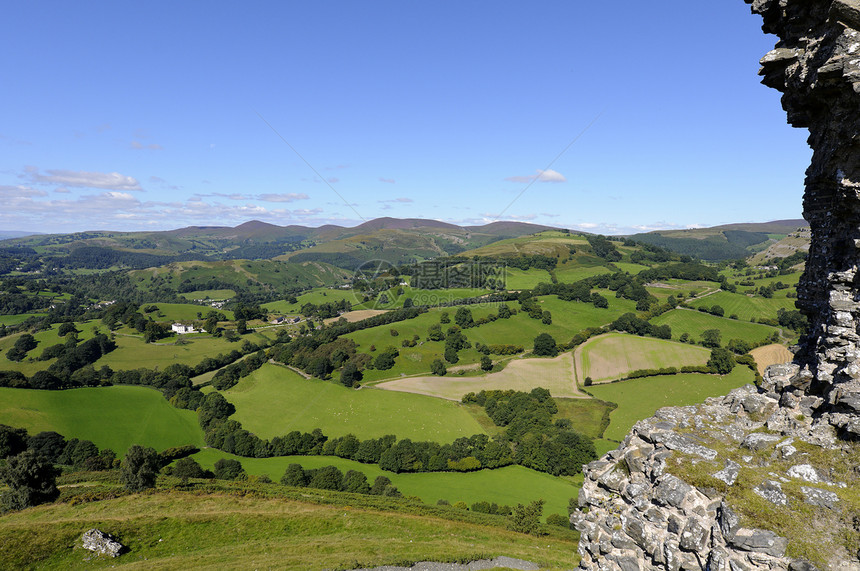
(158, 115)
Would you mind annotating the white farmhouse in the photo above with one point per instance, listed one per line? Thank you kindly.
(181, 329)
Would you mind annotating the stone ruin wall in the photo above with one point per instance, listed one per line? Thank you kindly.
(634, 514)
(816, 65)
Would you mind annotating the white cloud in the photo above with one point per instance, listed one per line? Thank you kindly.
(387, 180)
(288, 197)
(401, 200)
(84, 179)
(548, 175)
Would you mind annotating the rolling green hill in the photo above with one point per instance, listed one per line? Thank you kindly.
(111, 417)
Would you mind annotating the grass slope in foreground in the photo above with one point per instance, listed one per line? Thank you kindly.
(509, 485)
(274, 400)
(170, 530)
(640, 398)
(111, 417)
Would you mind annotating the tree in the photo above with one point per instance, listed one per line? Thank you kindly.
(463, 317)
(327, 478)
(546, 318)
(385, 360)
(23, 344)
(444, 318)
(12, 441)
(711, 338)
(66, 328)
(544, 345)
(241, 327)
(486, 363)
(451, 355)
(722, 361)
(355, 482)
(437, 367)
(228, 469)
(186, 468)
(295, 476)
(434, 333)
(350, 376)
(47, 444)
(504, 311)
(139, 468)
(525, 519)
(31, 478)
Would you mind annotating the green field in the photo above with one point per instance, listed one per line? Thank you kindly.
(274, 401)
(182, 311)
(640, 398)
(133, 352)
(572, 274)
(317, 296)
(112, 417)
(16, 319)
(209, 294)
(45, 339)
(614, 355)
(695, 322)
(517, 279)
(745, 307)
(420, 296)
(629, 267)
(510, 485)
(569, 317)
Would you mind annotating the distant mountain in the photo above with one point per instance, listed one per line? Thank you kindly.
(726, 242)
(6, 234)
(393, 239)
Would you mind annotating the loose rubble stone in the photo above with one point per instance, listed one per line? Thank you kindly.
(729, 473)
(101, 543)
(772, 492)
(819, 497)
(804, 472)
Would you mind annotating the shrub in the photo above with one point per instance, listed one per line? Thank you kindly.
(32, 480)
(544, 344)
(139, 468)
(228, 469)
(526, 519)
(559, 520)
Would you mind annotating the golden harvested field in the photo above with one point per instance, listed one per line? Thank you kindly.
(520, 374)
(612, 356)
(353, 316)
(770, 355)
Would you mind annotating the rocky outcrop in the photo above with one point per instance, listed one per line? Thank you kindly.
(740, 482)
(101, 543)
(816, 65)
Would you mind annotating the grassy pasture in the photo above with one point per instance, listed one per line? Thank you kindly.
(509, 485)
(182, 311)
(133, 352)
(209, 294)
(629, 267)
(45, 339)
(517, 279)
(744, 306)
(575, 273)
(695, 322)
(569, 317)
(421, 297)
(317, 296)
(112, 417)
(274, 401)
(641, 398)
(614, 355)
(16, 319)
(520, 375)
